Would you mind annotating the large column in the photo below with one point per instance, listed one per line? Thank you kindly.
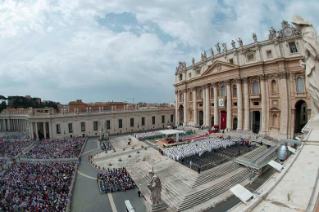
(239, 105)
(263, 79)
(284, 103)
(176, 108)
(45, 130)
(216, 117)
(31, 129)
(204, 106)
(37, 131)
(185, 107)
(246, 105)
(207, 105)
(229, 106)
(195, 118)
(50, 131)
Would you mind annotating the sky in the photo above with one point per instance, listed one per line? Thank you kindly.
(120, 50)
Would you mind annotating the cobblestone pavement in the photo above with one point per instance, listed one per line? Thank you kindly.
(86, 196)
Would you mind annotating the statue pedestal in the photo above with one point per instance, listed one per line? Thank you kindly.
(312, 129)
(161, 207)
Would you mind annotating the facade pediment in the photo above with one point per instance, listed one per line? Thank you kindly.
(219, 66)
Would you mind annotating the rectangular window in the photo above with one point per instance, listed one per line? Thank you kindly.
(82, 126)
(189, 75)
(143, 121)
(235, 103)
(172, 118)
(231, 61)
(256, 103)
(163, 119)
(132, 122)
(70, 128)
(293, 47)
(250, 57)
(95, 126)
(153, 120)
(120, 123)
(58, 129)
(269, 54)
(108, 124)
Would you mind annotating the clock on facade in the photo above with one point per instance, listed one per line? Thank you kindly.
(288, 31)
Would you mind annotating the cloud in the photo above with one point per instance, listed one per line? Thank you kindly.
(103, 50)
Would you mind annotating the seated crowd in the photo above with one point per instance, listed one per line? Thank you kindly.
(36, 186)
(60, 148)
(2, 162)
(242, 133)
(197, 147)
(115, 180)
(10, 147)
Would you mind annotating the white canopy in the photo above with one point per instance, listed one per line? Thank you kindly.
(171, 132)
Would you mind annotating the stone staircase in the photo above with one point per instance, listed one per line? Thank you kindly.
(253, 155)
(214, 189)
(214, 173)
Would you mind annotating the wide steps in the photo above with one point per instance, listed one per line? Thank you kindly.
(209, 193)
(215, 173)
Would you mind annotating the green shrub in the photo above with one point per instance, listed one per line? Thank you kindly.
(144, 159)
(110, 164)
(129, 156)
(120, 160)
(138, 152)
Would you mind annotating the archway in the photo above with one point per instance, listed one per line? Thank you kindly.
(201, 118)
(181, 114)
(235, 124)
(301, 118)
(256, 121)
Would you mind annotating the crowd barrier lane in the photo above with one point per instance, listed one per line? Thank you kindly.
(83, 147)
(68, 207)
(49, 160)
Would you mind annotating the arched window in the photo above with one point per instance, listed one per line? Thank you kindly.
(223, 90)
(256, 88)
(181, 77)
(300, 85)
(235, 123)
(201, 94)
(274, 120)
(234, 90)
(273, 86)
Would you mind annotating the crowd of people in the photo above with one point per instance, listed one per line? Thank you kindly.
(10, 147)
(198, 147)
(115, 180)
(2, 162)
(36, 186)
(59, 148)
(242, 133)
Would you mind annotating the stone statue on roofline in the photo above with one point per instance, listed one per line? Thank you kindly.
(255, 37)
(311, 60)
(212, 51)
(224, 47)
(240, 42)
(272, 33)
(193, 61)
(217, 47)
(233, 44)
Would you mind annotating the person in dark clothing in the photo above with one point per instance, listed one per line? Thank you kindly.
(139, 193)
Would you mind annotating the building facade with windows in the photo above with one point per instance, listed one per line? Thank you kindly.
(60, 125)
(258, 87)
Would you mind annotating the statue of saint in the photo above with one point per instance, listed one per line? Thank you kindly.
(240, 42)
(311, 57)
(211, 51)
(233, 44)
(255, 37)
(217, 48)
(193, 61)
(224, 47)
(156, 187)
(272, 33)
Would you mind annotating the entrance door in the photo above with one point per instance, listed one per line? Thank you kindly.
(256, 121)
(301, 116)
(223, 120)
(212, 121)
(201, 118)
